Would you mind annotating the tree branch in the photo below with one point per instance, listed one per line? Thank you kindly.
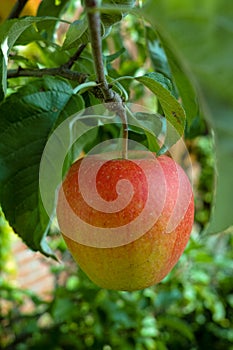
(74, 58)
(17, 9)
(94, 26)
(59, 71)
(116, 104)
(64, 70)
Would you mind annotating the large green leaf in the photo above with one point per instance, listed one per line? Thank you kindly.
(48, 14)
(182, 78)
(197, 36)
(27, 118)
(173, 111)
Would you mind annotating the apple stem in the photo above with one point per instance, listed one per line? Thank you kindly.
(111, 98)
(123, 117)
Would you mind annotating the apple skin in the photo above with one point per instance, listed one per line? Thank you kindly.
(146, 260)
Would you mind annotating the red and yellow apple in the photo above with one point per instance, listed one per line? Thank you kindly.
(126, 221)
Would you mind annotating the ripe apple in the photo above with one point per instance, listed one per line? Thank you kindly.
(126, 221)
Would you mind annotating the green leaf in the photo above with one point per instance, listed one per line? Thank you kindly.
(10, 31)
(62, 309)
(3, 74)
(76, 35)
(157, 54)
(115, 55)
(85, 63)
(222, 210)
(149, 125)
(50, 8)
(176, 324)
(182, 78)
(27, 118)
(117, 10)
(29, 35)
(174, 113)
(197, 38)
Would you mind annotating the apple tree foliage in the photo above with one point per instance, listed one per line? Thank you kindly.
(183, 55)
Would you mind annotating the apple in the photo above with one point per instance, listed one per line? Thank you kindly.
(126, 221)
